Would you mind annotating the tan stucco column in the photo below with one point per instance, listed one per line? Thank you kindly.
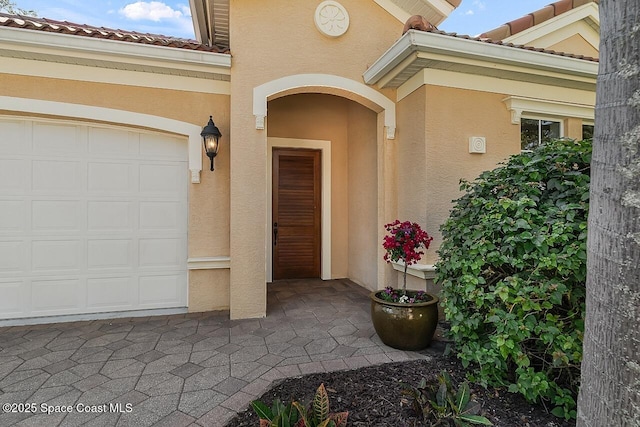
(387, 198)
(573, 128)
(248, 292)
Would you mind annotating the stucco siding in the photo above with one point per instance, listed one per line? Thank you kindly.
(363, 197)
(452, 117)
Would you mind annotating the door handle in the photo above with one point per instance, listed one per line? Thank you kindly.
(275, 233)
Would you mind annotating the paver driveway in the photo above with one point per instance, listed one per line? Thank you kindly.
(194, 369)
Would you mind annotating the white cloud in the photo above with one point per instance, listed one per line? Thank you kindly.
(480, 4)
(469, 12)
(152, 11)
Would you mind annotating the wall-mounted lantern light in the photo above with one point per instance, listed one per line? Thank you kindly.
(210, 136)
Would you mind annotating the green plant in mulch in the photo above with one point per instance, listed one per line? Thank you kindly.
(513, 269)
(440, 405)
(295, 414)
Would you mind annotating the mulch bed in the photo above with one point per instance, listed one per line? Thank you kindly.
(373, 397)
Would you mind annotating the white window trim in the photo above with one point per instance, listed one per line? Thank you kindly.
(541, 108)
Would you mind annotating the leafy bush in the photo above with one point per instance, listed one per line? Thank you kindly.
(439, 404)
(513, 269)
(295, 414)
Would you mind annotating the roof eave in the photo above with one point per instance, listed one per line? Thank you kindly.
(459, 47)
(72, 46)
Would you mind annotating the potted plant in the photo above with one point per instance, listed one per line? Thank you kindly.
(404, 319)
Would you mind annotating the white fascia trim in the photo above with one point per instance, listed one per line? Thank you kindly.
(493, 54)
(262, 93)
(208, 263)
(519, 105)
(127, 52)
(116, 117)
(423, 271)
(589, 11)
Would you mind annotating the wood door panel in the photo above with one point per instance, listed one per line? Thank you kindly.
(296, 211)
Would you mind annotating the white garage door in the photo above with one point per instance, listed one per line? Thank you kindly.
(92, 219)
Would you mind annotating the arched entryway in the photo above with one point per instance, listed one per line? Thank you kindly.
(344, 135)
(303, 107)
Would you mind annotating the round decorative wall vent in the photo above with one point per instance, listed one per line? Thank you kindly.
(331, 18)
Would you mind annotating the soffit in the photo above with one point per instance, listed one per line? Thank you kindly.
(211, 22)
(434, 11)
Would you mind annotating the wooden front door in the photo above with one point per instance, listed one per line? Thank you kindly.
(296, 213)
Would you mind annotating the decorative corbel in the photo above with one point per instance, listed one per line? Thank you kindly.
(391, 132)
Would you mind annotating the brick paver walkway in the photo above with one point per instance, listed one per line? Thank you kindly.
(195, 369)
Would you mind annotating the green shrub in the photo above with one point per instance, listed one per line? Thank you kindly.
(513, 269)
(295, 414)
(439, 404)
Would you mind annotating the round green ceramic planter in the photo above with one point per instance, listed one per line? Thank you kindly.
(404, 326)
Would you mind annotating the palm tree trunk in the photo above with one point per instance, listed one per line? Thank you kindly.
(610, 377)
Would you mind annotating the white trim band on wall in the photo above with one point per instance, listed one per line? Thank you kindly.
(208, 263)
(423, 271)
(518, 105)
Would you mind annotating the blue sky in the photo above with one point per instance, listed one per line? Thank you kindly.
(172, 17)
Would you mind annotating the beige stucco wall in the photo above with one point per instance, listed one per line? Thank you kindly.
(208, 290)
(451, 117)
(283, 41)
(573, 128)
(208, 218)
(575, 44)
(412, 158)
(363, 197)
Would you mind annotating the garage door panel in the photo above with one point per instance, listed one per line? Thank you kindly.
(56, 139)
(162, 147)
(56, 215)
(88, 215)
(56, 296)
(161, 290)
(161, 252)
(111, 293)
(11, 303)
(109, 254)
(112, 178)
(56, 176)
(12, 216)
(13, 139)
(112, 143)
(55, 255)
(109, 215)
(12, 257)
(161, 179)
(160, 215)
(12, 176)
